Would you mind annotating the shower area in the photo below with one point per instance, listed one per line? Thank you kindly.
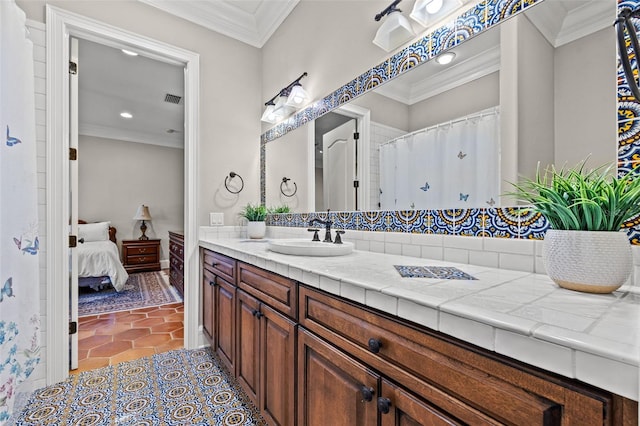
(455, 164)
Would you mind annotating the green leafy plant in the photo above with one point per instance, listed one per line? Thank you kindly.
(576, 199)
(254, 212)
(280, 209)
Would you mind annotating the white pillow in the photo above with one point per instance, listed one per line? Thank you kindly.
(94, 231)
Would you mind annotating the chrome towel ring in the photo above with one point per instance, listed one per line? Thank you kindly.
(228, 179)
(284, 183)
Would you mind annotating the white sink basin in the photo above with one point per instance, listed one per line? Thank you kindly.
(302, 247)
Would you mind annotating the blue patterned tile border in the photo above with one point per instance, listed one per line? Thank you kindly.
(628, 126)
(505, 222)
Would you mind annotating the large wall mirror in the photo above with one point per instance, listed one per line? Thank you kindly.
(539, 88)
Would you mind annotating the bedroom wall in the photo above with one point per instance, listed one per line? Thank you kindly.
(116, 176)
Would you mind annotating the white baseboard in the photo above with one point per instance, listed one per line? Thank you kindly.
(164, 264)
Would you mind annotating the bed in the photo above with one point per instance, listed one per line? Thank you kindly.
(98, 257)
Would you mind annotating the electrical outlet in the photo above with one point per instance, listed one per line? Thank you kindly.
(216, 219)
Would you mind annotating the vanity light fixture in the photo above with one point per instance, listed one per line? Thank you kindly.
(289, 98)
(423, 10)
(395, 30)
(445, 58)
(125, 114)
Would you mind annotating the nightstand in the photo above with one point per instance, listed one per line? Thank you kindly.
(141, 255)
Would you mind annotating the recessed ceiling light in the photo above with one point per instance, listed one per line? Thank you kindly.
(445, 58)
(126, 115)
(129, 52)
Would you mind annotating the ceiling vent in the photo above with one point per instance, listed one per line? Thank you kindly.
(172, 99)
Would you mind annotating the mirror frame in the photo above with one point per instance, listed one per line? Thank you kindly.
(505, 222)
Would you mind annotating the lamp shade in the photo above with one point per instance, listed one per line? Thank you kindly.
(282, 110)
(394, 31)
(422, 9)
(269, 116)
(142, 213)
(297, 97)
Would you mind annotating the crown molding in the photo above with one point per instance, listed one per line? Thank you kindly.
(220, 16)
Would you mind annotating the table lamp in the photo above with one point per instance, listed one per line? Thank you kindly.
(143, 214)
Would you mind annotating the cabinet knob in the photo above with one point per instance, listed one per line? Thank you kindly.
(213, 282)
(384, 405)
(367, 393)
(374, 345)
(214, 263)
(257, 314)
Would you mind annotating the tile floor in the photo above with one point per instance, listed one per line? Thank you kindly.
(112, 338)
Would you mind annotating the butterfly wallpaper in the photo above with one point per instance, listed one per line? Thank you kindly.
(19, 238)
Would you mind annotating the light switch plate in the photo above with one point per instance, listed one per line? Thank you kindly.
(216, 219)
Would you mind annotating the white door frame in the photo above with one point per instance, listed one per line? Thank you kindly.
(62, 24)
(364, 166)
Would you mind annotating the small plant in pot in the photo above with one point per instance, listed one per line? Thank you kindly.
(584, 250)
(255, 215)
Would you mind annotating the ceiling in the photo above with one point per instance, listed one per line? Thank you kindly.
(111, 82)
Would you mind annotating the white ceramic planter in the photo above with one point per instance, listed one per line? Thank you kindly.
(256, 230)
(588, 261)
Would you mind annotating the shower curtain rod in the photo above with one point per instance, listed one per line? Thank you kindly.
(484, 113)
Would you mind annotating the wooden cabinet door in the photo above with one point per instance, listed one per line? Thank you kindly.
(400, 408)
(277, 367)
(208, 283)
(225, 322)
(333, 389)
(248, 345)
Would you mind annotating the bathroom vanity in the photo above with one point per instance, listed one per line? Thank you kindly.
(347, 341)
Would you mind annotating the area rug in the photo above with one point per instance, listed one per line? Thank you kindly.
(142, 289)
(182, 387)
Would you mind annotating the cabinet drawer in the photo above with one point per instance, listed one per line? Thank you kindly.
(503, 389)
(273, 289)
(148, 249)
(176, 249)
(220, 264)
(137, 260)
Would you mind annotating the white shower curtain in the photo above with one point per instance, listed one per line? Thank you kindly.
(19, 243)
(451, 165)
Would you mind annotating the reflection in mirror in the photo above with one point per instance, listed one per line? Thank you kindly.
(550, 72)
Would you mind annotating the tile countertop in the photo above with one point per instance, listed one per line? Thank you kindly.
(593, 338)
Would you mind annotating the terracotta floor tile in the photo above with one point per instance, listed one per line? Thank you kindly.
(148, 322)
(132, 334)
(175, 317)
(98, 323)
(91, 364)
(167, 327)
(169, 346)
(83, 334)
(151, 340)
(116, 337)
(131, 354)
(131, 317)
(86, 319)
(160, 313)
(93, 342)
(110, 349)
(113, 329)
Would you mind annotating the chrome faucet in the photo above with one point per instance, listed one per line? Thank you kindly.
(327, 225)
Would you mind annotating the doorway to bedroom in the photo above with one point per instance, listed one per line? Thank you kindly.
(130, 181)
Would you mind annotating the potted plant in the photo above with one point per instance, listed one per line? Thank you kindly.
(255, 215)
(584, 250)
(280, 209)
